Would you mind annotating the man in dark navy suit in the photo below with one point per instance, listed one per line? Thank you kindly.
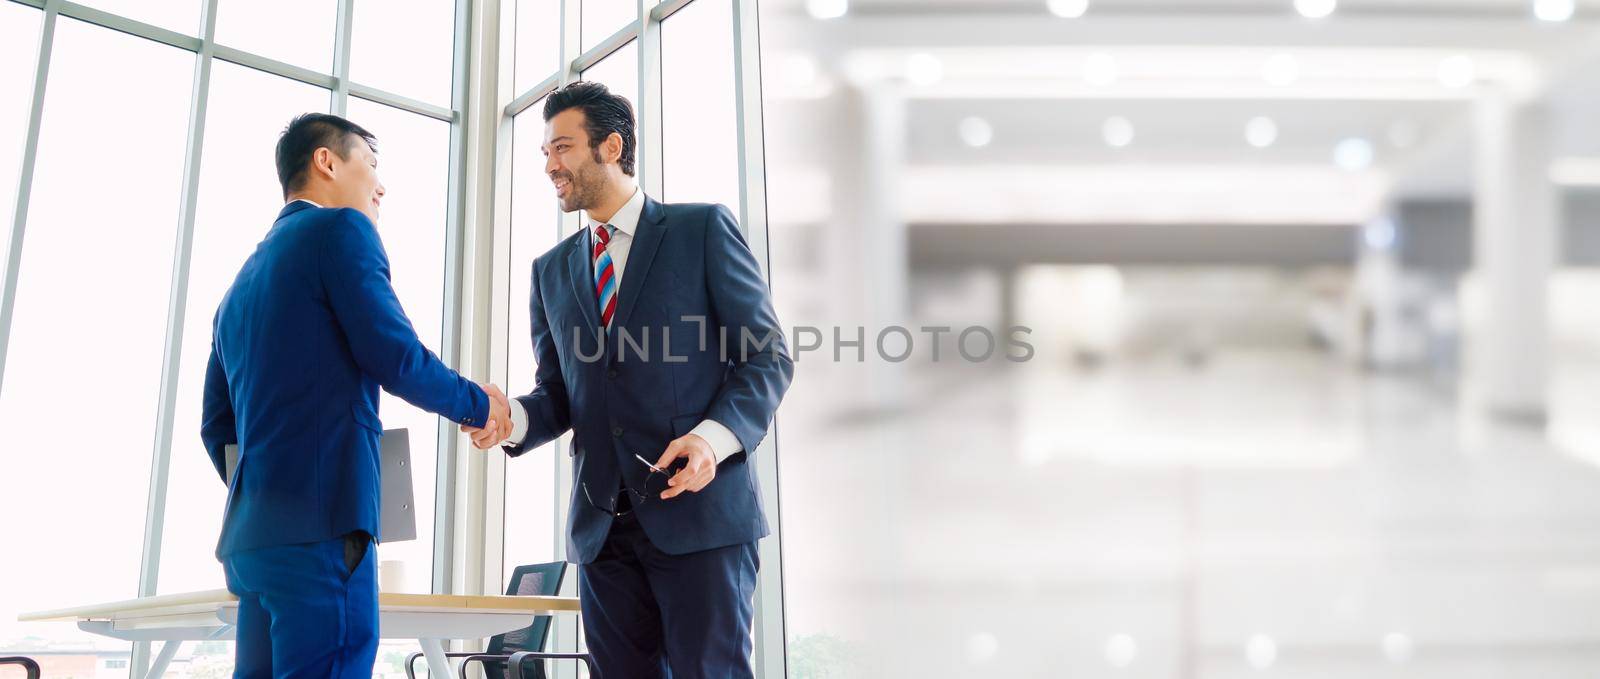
(658, 347)
(301, 343)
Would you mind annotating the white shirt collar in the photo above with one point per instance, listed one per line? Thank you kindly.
(303, 200)
(627, 217)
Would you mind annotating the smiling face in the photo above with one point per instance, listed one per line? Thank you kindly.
(580, 172)
(352, 178)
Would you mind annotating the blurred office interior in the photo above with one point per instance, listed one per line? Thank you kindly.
(1312, 289)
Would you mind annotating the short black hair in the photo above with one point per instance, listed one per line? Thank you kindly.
(603, 113)
(309, 132)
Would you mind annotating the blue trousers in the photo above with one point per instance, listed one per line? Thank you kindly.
(649, 614)
(306, 610)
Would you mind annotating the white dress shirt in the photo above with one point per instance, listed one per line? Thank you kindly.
(624, 222)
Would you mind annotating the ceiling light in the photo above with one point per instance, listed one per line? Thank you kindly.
(1315, 9)
(1099, 69)
(1121, 650)
(1457, 71)
(1068, 9)
(1260, 651)
(827, 9)
(1554, 10)
(1280, 69)
(1379, 234)
(924, 69)
(1353, 154)
(1118, 131)
(975, 132)
(1260, 132)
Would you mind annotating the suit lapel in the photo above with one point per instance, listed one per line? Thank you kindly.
(645, 241)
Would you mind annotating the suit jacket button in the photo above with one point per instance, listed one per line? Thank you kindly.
(612, 373)
(616, 431)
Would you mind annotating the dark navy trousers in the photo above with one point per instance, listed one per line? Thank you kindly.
(649, 614)
(308, 610)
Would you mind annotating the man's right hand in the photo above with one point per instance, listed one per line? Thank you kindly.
(498, 428)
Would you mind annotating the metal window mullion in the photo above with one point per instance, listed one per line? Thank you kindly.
(273, 66)
(605, 48)
(340, 103)
(539, 91)
(132, 27)
(649, 98)
(566, 633)
(403, 103)
(771, 637)
(30, 157)
(667, 8)
(177, 303)
(447, 442)
(494, 235)
(481, 485)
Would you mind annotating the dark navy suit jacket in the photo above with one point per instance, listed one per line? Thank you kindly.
(301, 343)
(659, 371)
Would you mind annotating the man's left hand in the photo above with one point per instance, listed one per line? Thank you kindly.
(699, 472)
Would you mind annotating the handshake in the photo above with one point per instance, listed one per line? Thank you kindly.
(498, 428)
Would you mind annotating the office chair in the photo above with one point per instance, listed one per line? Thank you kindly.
(516, 654)
(31, 667)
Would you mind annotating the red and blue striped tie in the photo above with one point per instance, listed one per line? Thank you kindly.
(605, 278)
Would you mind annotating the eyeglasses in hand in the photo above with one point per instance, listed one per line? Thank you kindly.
(654, 484)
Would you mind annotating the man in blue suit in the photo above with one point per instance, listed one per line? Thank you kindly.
(301, 343)
(658, 347)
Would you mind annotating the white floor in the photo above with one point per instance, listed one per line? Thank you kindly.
(1264, 515)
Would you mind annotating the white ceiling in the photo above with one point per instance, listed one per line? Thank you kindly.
(1189, 75)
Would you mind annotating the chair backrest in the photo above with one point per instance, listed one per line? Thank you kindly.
(543, 579)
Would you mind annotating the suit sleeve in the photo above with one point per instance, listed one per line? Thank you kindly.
(549, 414)
(761, 366)
(217, 429)
(355, 275)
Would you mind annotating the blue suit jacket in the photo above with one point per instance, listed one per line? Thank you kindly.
(690, 280)
(300, 344)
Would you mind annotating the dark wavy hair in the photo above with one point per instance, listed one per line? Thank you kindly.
(603, 114)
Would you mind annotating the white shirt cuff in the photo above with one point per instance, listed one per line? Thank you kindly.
(519, 424)
(723, 442)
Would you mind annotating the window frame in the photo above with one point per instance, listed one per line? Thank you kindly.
(469, 521)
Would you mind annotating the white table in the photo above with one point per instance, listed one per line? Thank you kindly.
(197, 616)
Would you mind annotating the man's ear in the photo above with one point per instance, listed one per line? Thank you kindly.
(322, 161)
(613, 147)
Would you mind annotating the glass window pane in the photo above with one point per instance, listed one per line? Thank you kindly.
(538, 43)
(238, 201)
(620, 74)
(404, 48)
(19, 51)
(182, 16)
(413, 162)
(601, 18)
(90, 323)
(700, 139)
(530, 532)
(298, 32)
